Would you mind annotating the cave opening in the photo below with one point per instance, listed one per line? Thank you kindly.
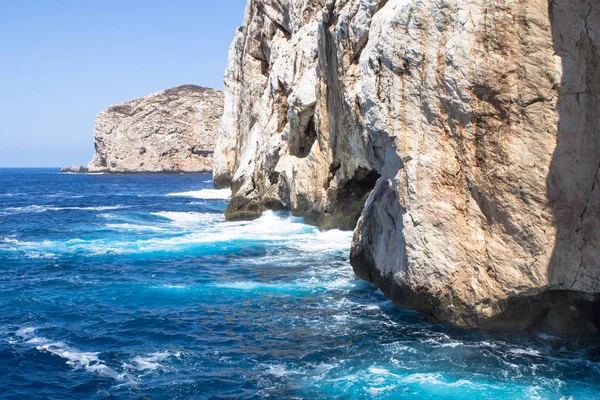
(301, 143)
(350, 199)
(363, 181)
(358, 187)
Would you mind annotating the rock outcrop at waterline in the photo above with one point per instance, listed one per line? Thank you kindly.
(74, 169)
(170, 131)
(464, 134)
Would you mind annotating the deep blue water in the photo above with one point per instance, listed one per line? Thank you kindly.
(133, 286)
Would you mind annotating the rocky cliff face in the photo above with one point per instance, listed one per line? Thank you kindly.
(464, 136)
(170, 131)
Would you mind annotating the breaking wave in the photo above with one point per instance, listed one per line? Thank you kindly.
(206, 194)
(198, 230)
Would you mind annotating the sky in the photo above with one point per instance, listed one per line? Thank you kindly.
(64, 61)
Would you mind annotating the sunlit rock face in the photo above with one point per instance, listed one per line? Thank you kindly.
(464, 136)
(170, 131)
(292, 134)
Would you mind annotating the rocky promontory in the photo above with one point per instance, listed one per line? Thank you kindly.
(463, 136)
(170, 131)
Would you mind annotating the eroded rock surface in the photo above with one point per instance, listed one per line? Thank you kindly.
(169, 131)
(472, 127)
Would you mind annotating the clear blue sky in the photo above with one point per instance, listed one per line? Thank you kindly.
(62, 62)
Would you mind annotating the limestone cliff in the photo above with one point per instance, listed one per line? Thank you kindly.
(465, 134)
(170, 131)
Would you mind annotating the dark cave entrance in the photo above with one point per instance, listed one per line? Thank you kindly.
(302, 141)
(350, 199)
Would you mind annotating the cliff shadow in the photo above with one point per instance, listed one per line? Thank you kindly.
(573, 186)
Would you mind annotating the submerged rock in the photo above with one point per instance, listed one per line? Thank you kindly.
(472, 127)
(170, 131)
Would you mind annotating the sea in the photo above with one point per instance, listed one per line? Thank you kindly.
(135, 287)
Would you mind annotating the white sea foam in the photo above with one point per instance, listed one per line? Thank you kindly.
(328, 241)
(309, 369)
(34, 208)
(170, 287)
(442, 342)
(135, 228)
(152, 362)
(322, 368)
(186, 219)
(436, 379)
(207, 194)
(269, 227)
(300, 285)
(330, 283)
(25, 332)
(381, 371)
(279, 370)
(101, 208)
(378, 306)
(78, 359)
(400, 348)
(75, 358)
(28, 209)
(64, 195)
(375, 381)
(257, 286)
(203, 228)
(526, 352)
(348, 378)
(376, 391)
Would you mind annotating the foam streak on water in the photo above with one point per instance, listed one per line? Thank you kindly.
(131, 286)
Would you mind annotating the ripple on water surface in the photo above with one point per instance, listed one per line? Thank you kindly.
(131, 286)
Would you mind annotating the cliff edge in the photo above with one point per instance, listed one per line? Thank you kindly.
(169, 131)
(463, 136)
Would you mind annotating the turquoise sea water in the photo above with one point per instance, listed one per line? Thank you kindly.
(133, 286)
